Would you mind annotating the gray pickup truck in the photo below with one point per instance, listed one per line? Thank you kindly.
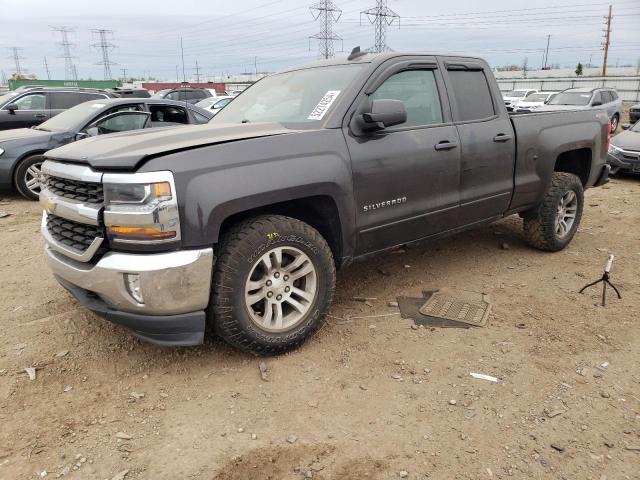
(238, 226)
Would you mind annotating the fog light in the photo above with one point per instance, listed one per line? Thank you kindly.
(132, 283)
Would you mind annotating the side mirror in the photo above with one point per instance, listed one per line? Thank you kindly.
(596, 103)
(93, 131)
(384, 113)
(12, 107)
(626, 126)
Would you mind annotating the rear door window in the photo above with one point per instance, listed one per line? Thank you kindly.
(175, 95)
(65, 100)
(606, 96)
(165, 115)
(597, 97)
(472, 95)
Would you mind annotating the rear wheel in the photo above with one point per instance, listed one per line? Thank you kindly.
(27, 177)
(273, 282)
(552, 224)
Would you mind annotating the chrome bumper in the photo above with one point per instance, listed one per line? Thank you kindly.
(170, 283)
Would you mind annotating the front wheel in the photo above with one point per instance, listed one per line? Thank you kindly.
(272, 284)
(614, 123)
(27, 177)
(552, 224)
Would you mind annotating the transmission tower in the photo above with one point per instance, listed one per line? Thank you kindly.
(70, 72)
(104, 46)
(327, 13)
(382, 17)
(3, 78)
(15, 56)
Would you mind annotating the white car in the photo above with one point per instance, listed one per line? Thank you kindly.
(513, 98)
(534, 101)
(215, 104)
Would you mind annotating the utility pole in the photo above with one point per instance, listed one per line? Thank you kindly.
(382, 17)
(70, 72)
(15, 56)
(607, 37)
(327, 13)
(104, 46)
(546, 54)
(184, 76)
(46, 68)
(197, 72)
(177, 76)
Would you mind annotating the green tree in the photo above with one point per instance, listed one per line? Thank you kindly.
(579, 69)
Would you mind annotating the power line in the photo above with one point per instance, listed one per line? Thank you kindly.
(104, 46)
(382, 17)
(15, 56)
(327, 13)
(70, 72)
(607, 38)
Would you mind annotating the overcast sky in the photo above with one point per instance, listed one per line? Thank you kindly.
(227, 37)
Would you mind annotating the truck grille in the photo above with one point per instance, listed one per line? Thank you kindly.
(81, 191)
(72, 234)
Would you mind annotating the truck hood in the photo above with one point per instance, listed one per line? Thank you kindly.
(126, 151)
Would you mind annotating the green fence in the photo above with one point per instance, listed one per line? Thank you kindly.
(13, 84)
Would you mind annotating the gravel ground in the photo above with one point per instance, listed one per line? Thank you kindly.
(367, 397)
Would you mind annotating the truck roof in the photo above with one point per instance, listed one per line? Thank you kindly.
(367, 57)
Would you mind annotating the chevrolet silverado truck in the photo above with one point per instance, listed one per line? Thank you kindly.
(238, 226)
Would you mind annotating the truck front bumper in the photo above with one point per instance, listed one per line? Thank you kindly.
(161, 297)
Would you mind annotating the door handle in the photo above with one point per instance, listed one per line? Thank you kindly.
(501, 137)
(445, 145)
(40, 115)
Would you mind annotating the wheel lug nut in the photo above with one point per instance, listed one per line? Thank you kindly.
(269, 282)
(277, 275)
(286, 289)
(279, 297)
(286, 278)
(269, 294)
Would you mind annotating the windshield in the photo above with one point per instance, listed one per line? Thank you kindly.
(298, 97)
(73, 118)
(162, 93)
(536, 97)
(7, 96)
(571, 98)
(516, 93)
(636, 127)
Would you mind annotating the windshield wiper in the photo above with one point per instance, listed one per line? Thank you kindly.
(245, 121)
(40, 128)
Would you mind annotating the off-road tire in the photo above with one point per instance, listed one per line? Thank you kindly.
(237, 251)
(539, 223)
(19, 175)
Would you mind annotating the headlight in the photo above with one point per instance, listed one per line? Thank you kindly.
(141, 208)
(1, 152)
(613, 149)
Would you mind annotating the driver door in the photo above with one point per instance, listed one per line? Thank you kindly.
(406, 178)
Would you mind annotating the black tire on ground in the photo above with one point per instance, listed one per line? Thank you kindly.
(615, 120)
(20, 173)
(540, 229)
(238, 251)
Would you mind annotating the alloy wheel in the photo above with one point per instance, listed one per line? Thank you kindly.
(566, 213)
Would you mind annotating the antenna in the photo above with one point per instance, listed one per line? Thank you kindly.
(327, 13)
(70, 72)
(104, 46)
(382, 17)
(15, 56)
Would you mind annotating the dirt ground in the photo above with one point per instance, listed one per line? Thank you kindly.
(367, 398)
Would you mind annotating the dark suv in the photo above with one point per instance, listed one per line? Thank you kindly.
(31, 106)
(190, 95)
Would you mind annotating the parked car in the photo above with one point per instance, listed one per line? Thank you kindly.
(239, 224)
(624, 150)
(215, 104)
(533, 101)
(634, 113)
(588, 98)
(21, 150)
(33, 105)
(512, 98)
(190, 95)
(129, 92)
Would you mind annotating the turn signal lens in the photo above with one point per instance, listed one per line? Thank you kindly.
(162, 189)
(138, 233)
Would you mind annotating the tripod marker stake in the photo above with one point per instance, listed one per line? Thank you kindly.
(605, 281)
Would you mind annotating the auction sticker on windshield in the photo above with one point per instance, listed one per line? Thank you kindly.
(323, 105)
